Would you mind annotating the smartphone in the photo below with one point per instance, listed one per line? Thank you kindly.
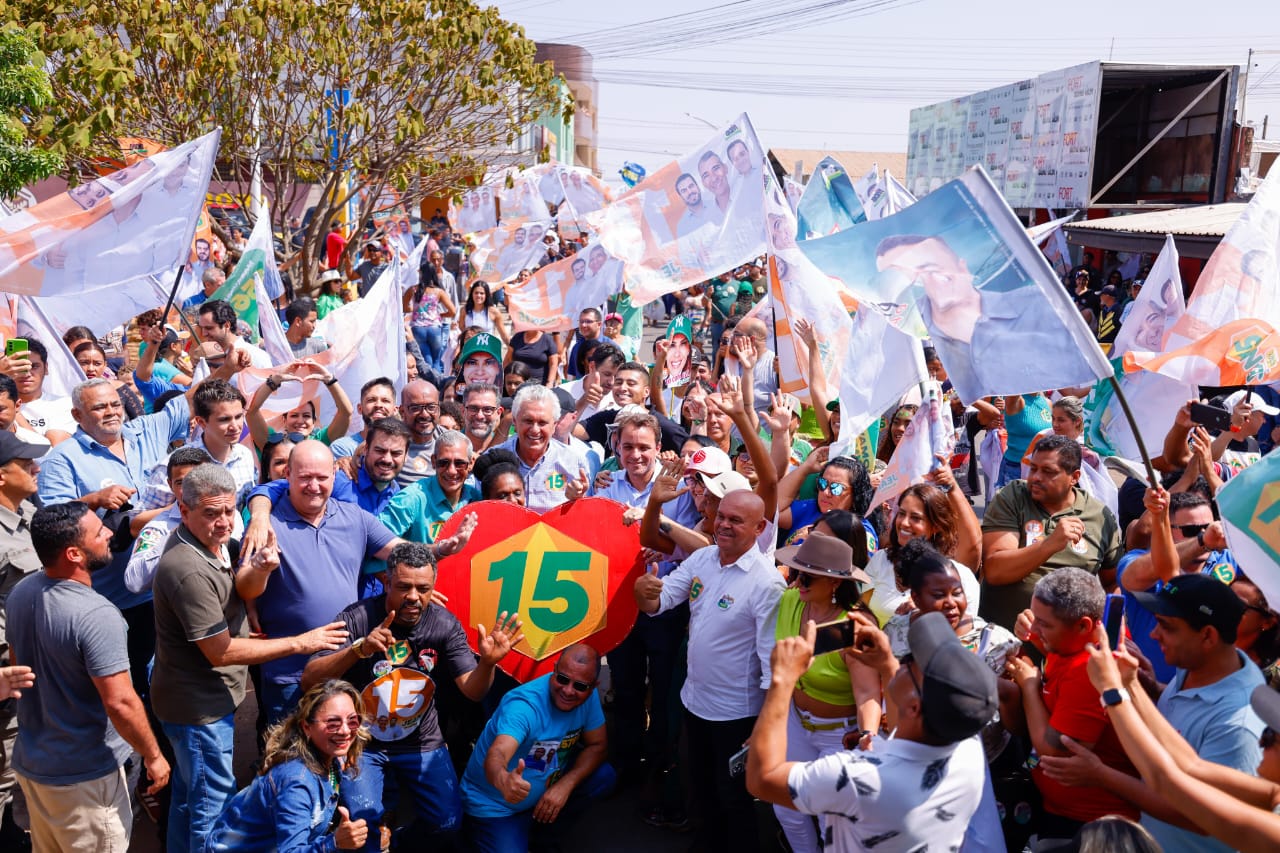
(1210, 416)
(738, 761)
(14, 346)
(834, 635)
(1113, 619)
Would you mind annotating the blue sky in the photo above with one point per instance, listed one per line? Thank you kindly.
(849, 83)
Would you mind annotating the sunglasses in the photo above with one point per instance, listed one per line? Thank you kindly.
(294, 437)
(906, 661)
(1267, 739)
(1191, 531)
(333, 725)
(578, 686)
(800, 579)
(836, 489)
(451, 463)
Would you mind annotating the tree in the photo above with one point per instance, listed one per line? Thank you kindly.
(24, 90)
(356, 98)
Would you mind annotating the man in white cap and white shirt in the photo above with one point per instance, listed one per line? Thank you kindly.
(1238, 448)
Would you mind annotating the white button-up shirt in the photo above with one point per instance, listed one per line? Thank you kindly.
(544, 480)
(733, 614)
(623, 492)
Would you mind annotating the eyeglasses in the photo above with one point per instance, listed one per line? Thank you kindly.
(487, 411)
(451, 463)
(579, 686)
(1191, 531)
(1267, 739)
(294, 437)
(907, 660)
(419, 408)
(836, 489)
(333, 725)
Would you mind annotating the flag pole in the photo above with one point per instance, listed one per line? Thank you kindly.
(173, 293)
(1137, 434)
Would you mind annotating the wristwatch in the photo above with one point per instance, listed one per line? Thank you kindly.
(1114, 696)
(1200, 540)
(358, 647)
(272, 384)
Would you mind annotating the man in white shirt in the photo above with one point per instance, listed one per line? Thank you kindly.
(918, 790)
(733, 592)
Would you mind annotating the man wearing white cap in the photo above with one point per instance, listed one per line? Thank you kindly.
(1238, 448)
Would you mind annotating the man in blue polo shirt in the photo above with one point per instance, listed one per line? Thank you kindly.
(323, 544)
(1184, 540)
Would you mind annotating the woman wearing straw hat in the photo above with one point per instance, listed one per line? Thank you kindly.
(836, 703)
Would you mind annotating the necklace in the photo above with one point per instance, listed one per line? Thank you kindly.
(810, 613)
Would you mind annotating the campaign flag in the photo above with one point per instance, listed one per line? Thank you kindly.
(366, 340)
(794, 191)
(692, 219)
(1230, 332)
(551, 299)
(254, 279)
(873, 194)
(898, 197)
(802, 291)
(522, 201)
(632, 173)
(1250, 508)
(926, 438)
(880, 366)
(115, 231)
(829, 203)
(502, 252)
(1040, 234)
(62, 373)
(958, 266)
(1153, 398)
(409, 266)
(474, 211)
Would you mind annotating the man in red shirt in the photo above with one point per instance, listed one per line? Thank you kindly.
(334, 244)
(1066, 606)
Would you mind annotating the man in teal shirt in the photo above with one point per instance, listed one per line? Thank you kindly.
(418, 511)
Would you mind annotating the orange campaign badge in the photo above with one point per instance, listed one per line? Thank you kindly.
(569, 573)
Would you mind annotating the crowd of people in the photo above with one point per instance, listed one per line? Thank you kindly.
(913, 675)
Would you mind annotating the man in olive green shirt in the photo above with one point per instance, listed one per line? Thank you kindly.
(1042, 523)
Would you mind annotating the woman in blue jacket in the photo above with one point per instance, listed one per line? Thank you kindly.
(293, 805)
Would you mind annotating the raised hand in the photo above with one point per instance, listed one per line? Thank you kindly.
(493, 646)
(577, 487)
(514, 786)
(350, 834)
(669, 484)
(778, 418)
(745, 352)
(803, 330)
(451, 545)
(649, 585)
(380, 638)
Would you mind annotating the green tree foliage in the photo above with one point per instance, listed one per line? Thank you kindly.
(416, 96)
(24, 90)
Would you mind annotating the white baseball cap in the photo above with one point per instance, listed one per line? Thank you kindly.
(729, 481)
(1255, 400)
(711, 461)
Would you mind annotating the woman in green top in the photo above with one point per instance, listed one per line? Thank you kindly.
(330, 293)
(836, 704)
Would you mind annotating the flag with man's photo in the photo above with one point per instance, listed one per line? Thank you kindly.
(551, 299)
(1230, 332)
(830, 202)
(927, 437)
(692, 219)
(502, 253)
(958, 266)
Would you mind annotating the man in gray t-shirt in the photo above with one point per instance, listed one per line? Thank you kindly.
(77, 724)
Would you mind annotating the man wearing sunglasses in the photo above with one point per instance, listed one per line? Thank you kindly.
(1185, 540)
(540, 760)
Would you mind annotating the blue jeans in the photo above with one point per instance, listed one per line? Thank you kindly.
(432, 340)
(202, 782)
(279, 700)
(1009, 470)
(504, 834)
(437, 799)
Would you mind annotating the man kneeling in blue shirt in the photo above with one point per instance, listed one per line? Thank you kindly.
(540, 758)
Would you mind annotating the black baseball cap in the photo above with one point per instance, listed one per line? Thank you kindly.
(959, 689)
(12, 447)
(1199, 600)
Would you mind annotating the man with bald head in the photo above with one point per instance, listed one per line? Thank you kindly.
(419, 409)
(733, 592)
(540, 760)
(323, 544)
(749, 349)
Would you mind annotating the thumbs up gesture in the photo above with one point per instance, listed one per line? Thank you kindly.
(648, 589)
(514, 786)
(350, 834)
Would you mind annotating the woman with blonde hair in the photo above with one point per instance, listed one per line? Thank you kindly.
(294, 805)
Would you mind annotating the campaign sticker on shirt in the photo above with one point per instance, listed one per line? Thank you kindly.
(397, 702)
(1080, 546)
(555, 482)
(381, 668)
(399, 653)
(1034, 531)
(151, 537)
(427, 660)
(695, 589)
(1224, 572)
(542, 756)
(725, 602)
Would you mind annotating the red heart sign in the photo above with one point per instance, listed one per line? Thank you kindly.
(568, 572)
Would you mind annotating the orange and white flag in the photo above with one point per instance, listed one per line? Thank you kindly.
(1230, 332)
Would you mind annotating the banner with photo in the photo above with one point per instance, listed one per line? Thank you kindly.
(551, 299)
(880, 366)
(926, 438)
(474, 211)
(830, 202)
(115, 231)
(521, 201)
(959, 267)
(559, 183)
(1153, 398)
(502, 253)
(692, 219)
(1230, 333)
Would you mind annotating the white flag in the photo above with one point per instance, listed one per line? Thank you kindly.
(880, 366)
